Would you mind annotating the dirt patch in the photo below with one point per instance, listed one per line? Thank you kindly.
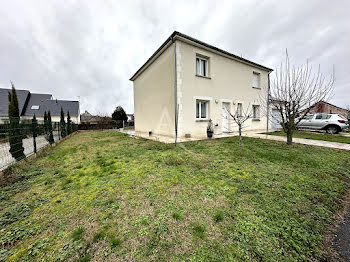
(336, 241)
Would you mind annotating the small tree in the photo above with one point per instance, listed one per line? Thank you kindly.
(34, 131)
(63, 124)
(348, 116)
(45, 122)
(69, 124)
(119, 115)
(49, 128)
(240, 116)
(15, 135)
(293, 91)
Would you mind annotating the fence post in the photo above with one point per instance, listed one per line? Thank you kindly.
(34, 134)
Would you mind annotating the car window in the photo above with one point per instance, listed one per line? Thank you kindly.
(308, 117)
(342, 117)
(319, 116)
(328, 116)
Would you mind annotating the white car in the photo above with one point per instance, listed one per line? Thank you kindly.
(332, 123)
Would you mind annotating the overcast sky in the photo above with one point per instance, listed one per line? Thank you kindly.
(90, 49)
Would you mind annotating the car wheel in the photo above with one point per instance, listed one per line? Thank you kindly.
(332, 130)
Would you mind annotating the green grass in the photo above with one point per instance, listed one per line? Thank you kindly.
(316, 136)
(106, 196)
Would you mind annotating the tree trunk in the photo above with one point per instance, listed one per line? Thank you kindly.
(289, 137)
(240, 136)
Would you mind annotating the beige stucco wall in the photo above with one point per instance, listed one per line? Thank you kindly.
(230, 81)
(154, 96)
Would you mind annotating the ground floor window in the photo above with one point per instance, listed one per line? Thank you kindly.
(256, 111)
(202, 109)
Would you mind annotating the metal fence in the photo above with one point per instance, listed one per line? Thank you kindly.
(34, 136)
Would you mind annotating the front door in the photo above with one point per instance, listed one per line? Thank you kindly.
(226, 117)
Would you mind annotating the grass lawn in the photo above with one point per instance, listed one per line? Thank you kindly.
(316, 136)
(106, 196)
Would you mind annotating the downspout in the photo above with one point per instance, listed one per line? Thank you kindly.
(175, 89)
(268, 103)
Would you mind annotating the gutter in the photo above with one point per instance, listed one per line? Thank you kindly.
(268, 103)
(175, 88)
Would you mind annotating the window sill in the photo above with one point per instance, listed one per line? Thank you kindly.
(207, 77)
(256, 119)
(256, 87)
(202, 120)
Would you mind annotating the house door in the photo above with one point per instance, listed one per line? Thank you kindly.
(225, 117)
(276, 119)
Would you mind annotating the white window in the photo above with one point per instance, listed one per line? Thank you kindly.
(34, 107)
(256, 112)
(202, 66)
(239, 109)
(256, 80)
(202, 109)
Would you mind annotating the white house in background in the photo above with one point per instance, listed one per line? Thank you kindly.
(32, 103)
(187, 82)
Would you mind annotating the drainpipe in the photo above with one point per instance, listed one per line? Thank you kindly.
(268, 103)
(175, 89)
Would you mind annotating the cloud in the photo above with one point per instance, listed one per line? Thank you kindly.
(88, 50)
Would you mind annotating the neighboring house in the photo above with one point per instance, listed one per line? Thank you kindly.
(325, 107)
(32, 103)
(85, 117)
(130, 121)
(187, 82)
(88, 118)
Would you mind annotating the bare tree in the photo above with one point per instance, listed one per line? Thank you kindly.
(240, 116)
(293, 91)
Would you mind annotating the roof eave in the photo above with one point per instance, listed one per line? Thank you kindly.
(177, 35)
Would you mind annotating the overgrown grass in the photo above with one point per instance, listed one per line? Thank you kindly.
(106, 196)
(316, 136)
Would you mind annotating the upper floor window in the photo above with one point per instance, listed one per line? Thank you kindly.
(256, 80)
(202, 66)
(34, 107)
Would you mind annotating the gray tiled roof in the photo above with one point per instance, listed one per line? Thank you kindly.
(36, 100)
(54, 106)
(26, 100)
(22, 96)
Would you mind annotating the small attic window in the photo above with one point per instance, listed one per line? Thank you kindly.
(35, 107)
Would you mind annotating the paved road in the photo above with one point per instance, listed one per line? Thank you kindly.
(5, 156)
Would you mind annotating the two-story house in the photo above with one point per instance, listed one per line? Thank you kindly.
(187, 82)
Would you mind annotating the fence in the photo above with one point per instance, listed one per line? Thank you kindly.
(29, 137)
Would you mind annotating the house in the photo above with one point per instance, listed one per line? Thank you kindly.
(85, 117)
(88, 118)
(187, 82)
(130, 121)
(31, 104)
(325, 107)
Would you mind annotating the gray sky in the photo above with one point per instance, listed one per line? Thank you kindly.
(91, 48)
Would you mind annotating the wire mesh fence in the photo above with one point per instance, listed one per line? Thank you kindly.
(22, 138)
